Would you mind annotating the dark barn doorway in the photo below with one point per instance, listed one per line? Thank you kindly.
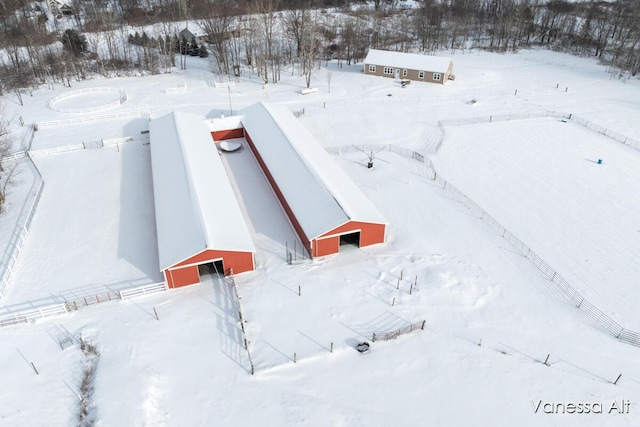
(213, 267)
(351, 239)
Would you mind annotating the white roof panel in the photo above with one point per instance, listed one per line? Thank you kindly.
(196, 208)
(413, 61)
(320, 194)
(225, 123)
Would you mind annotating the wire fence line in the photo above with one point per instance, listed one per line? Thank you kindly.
(569, 292)
(228, 277)
(616, 136)
(634, 143)
(503, 118)
(385, 336)
(390, 99)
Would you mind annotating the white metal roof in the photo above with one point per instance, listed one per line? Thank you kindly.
(413, 61)
(196, 208)
(320, 194)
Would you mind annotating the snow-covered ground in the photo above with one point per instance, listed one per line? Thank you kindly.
(94, 227)
(541, 179)
(105, 220)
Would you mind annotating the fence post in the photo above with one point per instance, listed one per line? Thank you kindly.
(617, 379)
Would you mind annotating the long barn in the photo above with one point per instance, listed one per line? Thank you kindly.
(200, 226)
(323, 204)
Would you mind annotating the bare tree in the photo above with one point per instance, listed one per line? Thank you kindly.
(5, 144)
(219, 25)
(265, 25)
(311, 46)
(295, 22)
(4, 136)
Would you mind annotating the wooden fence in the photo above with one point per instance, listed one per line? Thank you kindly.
(77, 120)
(122, 97)
(143, 290)
(19, 235)
(31, 315)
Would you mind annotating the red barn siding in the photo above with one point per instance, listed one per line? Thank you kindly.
(221, 135)
(296, 225)
(178, 277)
(370, 234)
(186, 272)
(238, 261)
(327, 246)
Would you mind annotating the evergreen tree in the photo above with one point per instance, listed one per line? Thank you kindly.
(175, 43)
(74, 41)
(183, 46)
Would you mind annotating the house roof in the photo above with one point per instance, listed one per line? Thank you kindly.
(188, 33)
(196, 208)
(320, 194)
(413, 61)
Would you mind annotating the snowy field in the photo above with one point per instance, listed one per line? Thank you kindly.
(105, 220)
(541, 180)
(491, 318)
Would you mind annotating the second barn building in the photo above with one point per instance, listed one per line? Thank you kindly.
(325, 207)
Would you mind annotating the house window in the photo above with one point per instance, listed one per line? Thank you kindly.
(372, 68)
(437, 76)
(421, 74)
(387, 70)
(404, 73)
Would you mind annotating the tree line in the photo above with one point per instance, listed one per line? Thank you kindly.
(271, 35)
